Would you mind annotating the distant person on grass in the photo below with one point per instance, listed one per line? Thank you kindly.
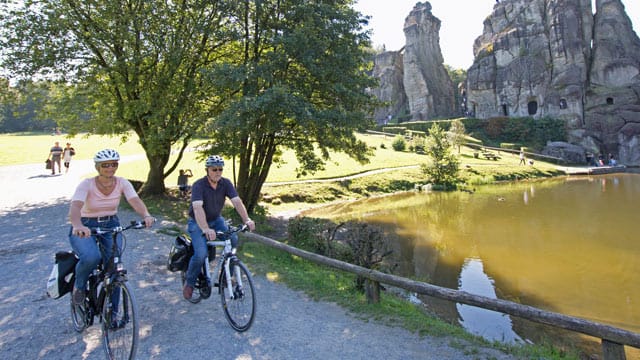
(55, 154)
(183, 182)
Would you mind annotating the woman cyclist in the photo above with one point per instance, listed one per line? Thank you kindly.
(95, 204)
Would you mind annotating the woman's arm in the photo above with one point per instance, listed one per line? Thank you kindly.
(138, 205)
(78, 228)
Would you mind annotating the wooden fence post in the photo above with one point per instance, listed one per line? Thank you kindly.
(372, 291)
(612, 350)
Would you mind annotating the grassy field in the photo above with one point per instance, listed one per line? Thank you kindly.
(34, 148)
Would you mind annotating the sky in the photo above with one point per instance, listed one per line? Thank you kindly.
(461, 24)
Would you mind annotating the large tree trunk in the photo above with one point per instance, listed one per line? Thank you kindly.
(154, 185)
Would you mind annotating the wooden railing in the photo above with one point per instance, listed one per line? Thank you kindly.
(613, 339)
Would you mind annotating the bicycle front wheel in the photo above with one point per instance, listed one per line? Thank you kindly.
(119, 323)
(238, 302)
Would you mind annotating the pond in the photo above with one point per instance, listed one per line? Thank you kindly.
(566, 245)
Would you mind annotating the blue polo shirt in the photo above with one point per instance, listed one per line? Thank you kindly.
(213, 199)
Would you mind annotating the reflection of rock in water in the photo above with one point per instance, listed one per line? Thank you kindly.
(489, 324)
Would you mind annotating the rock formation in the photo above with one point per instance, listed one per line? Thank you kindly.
(413, 80)
(555, 58)
(426, 82)
(389, 70)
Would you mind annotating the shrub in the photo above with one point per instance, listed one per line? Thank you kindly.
(399, 144)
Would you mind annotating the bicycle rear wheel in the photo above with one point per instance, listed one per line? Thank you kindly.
(119, 323)
(239, 304)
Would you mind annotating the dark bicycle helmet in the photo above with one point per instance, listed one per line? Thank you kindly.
(106, 155)
(214, 160)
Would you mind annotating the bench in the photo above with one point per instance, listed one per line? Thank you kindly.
(490, 156)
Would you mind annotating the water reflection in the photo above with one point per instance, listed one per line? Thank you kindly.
(490, 324)
(564, 245)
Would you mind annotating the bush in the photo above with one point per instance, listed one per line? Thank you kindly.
(307, 233)
(399, 144)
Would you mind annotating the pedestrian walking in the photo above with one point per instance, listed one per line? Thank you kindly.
(522, 159)
(67, 153)
(55, 154)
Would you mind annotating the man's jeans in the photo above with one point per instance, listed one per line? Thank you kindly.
(199, 242)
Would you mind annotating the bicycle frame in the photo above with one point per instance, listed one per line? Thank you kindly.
(226, 260)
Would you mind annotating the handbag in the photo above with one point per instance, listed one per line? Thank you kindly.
(48, 164)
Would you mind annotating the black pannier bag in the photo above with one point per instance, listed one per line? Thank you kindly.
(180, 254)
(62, 275)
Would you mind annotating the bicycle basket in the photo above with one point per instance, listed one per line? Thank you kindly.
(180, 254)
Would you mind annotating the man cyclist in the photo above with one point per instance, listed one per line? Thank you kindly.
(208, 196)
(95, 204)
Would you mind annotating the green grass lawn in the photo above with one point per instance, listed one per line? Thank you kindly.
(34, 148)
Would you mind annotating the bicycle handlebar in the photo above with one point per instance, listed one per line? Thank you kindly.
(135, 224)
(232, 230)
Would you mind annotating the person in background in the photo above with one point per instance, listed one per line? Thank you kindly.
(67, 153)
(183, 182)
(612, 160)
(54, 155)
(95, 204)
(208, 196)
(522, 160)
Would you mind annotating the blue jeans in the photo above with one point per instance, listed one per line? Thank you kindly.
(88, 251)
(199, 242)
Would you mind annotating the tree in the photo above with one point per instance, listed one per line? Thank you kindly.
(138, 64)
(456, 133)
(302, 81)
(442, 168)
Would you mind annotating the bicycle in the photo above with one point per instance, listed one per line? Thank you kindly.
(234, 281)
(109, 298)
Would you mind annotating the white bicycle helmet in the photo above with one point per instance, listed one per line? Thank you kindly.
(106, 155)
(214, 160)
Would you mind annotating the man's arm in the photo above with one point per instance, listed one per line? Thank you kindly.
(201, 220)
(242, 211)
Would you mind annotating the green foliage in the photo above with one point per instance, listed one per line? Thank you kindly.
(134, 65)
(300, 84)
(399, 143)
(308, 233)
(442, 168)
(456, 133)
(534, 133)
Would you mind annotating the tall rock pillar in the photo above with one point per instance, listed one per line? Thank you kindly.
(429, 90)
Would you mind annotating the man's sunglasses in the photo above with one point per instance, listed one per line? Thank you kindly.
(108, 165)
(216, 169)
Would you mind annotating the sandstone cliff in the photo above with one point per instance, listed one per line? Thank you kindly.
(413, 80)
(556, 58)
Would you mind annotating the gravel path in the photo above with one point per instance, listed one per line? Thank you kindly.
(288, 325)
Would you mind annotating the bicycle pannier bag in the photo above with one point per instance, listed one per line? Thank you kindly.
(180, 254)
(62, 275)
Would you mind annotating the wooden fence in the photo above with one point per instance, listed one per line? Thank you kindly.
(613, 339)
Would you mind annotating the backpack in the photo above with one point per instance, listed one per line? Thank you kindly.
(180, 254)
(62, 274)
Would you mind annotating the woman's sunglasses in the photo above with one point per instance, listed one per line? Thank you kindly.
(108, 165)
